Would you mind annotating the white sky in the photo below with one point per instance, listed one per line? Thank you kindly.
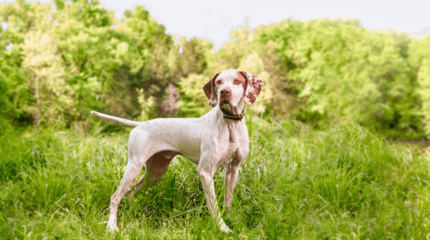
(215, 20)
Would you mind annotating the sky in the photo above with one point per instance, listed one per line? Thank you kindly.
(215, 20)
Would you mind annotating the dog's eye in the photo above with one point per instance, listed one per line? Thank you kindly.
(236, 81)
(218, 82)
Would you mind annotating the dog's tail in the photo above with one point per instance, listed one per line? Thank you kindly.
(121, 120)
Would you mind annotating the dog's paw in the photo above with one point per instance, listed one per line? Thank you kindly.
(225, 229)
(111, 227)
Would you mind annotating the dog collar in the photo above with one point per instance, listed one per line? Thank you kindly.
(228, 115)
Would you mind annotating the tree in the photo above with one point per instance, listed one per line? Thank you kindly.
(192, 58)
(41, 58)
(424, 91)
(348, 73)
(274, 41)
(151, 68)
(20, 18)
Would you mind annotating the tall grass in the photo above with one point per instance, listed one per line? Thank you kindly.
(298, 183)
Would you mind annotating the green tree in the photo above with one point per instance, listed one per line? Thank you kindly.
(16, 96)
(89, 50)
(354, 74)
(419, 53)
(51, 93)
(192, 58)
(193, 100)
(424, 91)
(274, 41)
(349, 73)
(152, 68)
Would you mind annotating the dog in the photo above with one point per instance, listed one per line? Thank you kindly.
(219, 138)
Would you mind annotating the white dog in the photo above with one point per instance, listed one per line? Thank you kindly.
(219, 138)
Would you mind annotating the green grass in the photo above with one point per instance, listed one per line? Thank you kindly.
(298, 183)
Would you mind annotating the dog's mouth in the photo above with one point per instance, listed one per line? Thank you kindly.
(224, 103)
(226, 106)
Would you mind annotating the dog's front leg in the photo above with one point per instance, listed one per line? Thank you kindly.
(231, 172)
(206, 176)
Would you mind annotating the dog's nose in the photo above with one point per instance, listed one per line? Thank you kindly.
(225, 92)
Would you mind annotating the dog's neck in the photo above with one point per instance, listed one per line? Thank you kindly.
(236, 117)
(233, 120)
(236, 114)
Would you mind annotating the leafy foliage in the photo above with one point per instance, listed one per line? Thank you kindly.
(86, 59)
(317, 71)
(348, 73)
(192, 59)
(424, 83)
(40, 50)
(194, 101)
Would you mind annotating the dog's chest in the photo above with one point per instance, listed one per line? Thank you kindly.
(228, 151)
(229, 154)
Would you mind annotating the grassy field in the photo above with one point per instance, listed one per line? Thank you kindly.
(339, 183)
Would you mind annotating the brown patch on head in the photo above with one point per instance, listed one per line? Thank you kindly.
(242, 79)
(210, 91)
(253, 93)
(252, 87)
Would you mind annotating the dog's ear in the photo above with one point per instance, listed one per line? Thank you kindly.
(210, 91)
(252, 87)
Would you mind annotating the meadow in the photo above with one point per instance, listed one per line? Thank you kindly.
(339, 182)
(332, 155)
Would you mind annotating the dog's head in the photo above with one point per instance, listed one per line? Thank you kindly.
(230, 88)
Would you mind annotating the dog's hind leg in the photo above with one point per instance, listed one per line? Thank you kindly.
(137, 156)
(156, 167)
(131, 172)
